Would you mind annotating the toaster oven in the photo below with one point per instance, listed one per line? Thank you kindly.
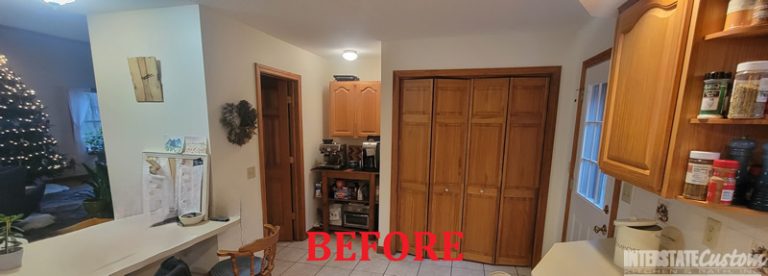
(356, 220)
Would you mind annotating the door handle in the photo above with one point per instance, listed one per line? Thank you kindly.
(603, 229)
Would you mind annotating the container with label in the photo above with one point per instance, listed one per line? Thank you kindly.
(739, 13)
(722, 184)
(699, 171)
(716, 86)
(750, 90)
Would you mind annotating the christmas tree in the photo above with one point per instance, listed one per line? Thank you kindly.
(24, 129)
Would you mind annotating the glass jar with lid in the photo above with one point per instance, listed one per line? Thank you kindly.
(750, 90)
(698, 173)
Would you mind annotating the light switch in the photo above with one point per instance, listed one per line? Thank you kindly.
(711, 232)
(251, 171)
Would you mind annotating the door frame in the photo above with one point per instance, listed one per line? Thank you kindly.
(552, 72)
(589, 63)
(296, 142)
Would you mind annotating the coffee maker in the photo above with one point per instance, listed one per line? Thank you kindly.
(371, 152)
(332, 154)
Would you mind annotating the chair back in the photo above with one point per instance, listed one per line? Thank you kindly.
(268, 244)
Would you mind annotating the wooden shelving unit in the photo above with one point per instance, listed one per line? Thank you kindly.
(741, 214)
(730, 121)
(371, 177)
(743, 32)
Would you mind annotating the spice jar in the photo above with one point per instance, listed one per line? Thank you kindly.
(699, 171)
(750, 90)
(716, 85)
(760, 13)
(723, 182)
(739, 14)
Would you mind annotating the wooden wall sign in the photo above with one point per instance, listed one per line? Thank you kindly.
(145, 74)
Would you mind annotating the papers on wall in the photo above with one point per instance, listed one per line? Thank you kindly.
(158, 189)
(189, 181)
(174, 184)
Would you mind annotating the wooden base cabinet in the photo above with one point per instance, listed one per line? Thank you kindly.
(471, 158)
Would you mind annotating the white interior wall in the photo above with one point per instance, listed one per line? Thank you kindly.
(52, 66)
(686, 225)
(231, 49)
(566, 47)
(173, 36)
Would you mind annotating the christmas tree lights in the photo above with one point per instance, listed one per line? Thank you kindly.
(24, 133)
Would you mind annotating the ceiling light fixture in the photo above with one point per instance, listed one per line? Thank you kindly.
(349, 55)
(59, 2)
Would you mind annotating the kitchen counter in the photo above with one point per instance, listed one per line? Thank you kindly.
(587, 258)
(113, 248)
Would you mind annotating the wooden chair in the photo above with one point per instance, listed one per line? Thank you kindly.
(244, 261)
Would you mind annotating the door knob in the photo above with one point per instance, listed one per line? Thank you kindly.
(482, 191)
(603, 229)
(446, 190)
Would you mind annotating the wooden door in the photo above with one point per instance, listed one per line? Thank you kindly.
(449, 144)
(368, 106)
(414, 142)
(487, 128)
(342, 109)
(277, 155)
(522, 170)
(645, 73)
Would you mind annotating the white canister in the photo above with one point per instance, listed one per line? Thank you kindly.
(635, 234)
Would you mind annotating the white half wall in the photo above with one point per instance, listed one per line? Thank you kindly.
(566, 47)
(173, 36)
(231, 49)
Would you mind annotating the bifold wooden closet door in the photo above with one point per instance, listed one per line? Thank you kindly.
(487, 129)
(522, 170)
(449, 144)
(470, 159)
(414, 155)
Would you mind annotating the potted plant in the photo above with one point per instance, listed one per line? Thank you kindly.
(10, 249)
(100, 205)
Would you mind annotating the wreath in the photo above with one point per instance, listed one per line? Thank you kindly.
(240, 121)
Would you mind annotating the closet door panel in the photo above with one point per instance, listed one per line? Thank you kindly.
(414, 153)
(485, 159)
(449, 140)
(522, 170)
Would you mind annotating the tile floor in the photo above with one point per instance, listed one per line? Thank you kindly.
(292, 261)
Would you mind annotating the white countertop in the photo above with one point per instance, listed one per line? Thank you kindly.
(113, 248)
(587, 258)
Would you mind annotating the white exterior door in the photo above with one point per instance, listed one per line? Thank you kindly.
(589, 213)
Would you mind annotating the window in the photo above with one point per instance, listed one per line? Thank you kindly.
(591, 181)
(86, 120)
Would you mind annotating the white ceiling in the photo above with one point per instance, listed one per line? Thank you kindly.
(325, 27)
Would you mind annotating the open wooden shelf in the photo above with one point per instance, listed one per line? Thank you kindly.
(350, 201)
(740, 214)
(743, 32)
(730, 121)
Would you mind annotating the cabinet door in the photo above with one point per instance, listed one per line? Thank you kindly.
(449, 143)
(341, 120)
(413, 156)
(645, 74)
(522, 170)
(487, 128)
(368, 108)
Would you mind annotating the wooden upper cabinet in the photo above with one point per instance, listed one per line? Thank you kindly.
(342, 109)
(354, 108)
(368, 108)
(644, 79)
